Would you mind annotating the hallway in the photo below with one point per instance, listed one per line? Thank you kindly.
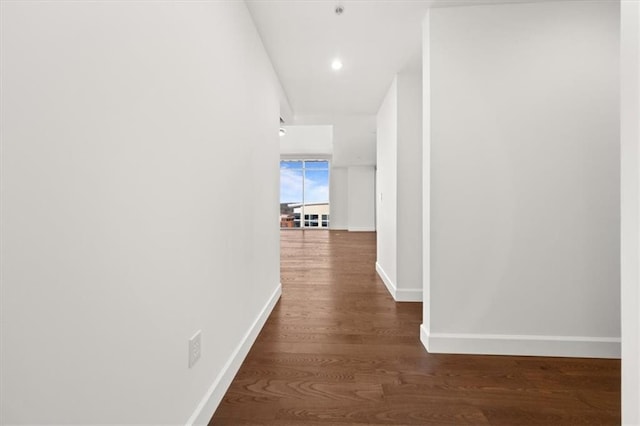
(338, 350)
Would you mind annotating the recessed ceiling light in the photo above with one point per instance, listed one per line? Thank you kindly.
(336, 64)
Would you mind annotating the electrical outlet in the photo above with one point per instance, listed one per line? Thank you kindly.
(195, 348)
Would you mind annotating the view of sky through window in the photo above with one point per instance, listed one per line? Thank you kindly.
(316, 181)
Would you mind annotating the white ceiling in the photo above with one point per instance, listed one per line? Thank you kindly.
(374, 38)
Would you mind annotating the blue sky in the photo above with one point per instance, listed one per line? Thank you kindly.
(316, 183)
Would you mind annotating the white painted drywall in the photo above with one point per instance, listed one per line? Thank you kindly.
(399, 189)
(306, 142)
(286, 113)
(524, 209)
(425, 327)
(132, 166)
(355, 140)
(338, 198)
(354, 137)
(361, 198)
(386, 187)
(409, 186)
(630, 202)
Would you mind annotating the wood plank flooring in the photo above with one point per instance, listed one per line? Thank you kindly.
(337, 350)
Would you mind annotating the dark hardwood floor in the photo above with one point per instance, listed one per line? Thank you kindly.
(338, 350)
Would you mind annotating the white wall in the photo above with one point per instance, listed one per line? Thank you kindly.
(399, 190)
(354, 137)
(361, 198)
(339, 198)
(409, 186)
(307, 142)
(630, 194)
(131, 165)
(386, 187)
(425, 328)
(524, 208)
(355, 140)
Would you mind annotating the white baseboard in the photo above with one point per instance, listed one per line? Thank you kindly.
(526, 345)
(399, 295)
(386, 280)
(408, 295)
(361, 229)
(203, 413)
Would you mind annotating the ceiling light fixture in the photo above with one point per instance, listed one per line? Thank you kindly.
(336, 64)
(283, 131)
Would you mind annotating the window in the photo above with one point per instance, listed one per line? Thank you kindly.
(304, 194)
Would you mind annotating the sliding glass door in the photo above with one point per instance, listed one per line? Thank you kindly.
(304, 194)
